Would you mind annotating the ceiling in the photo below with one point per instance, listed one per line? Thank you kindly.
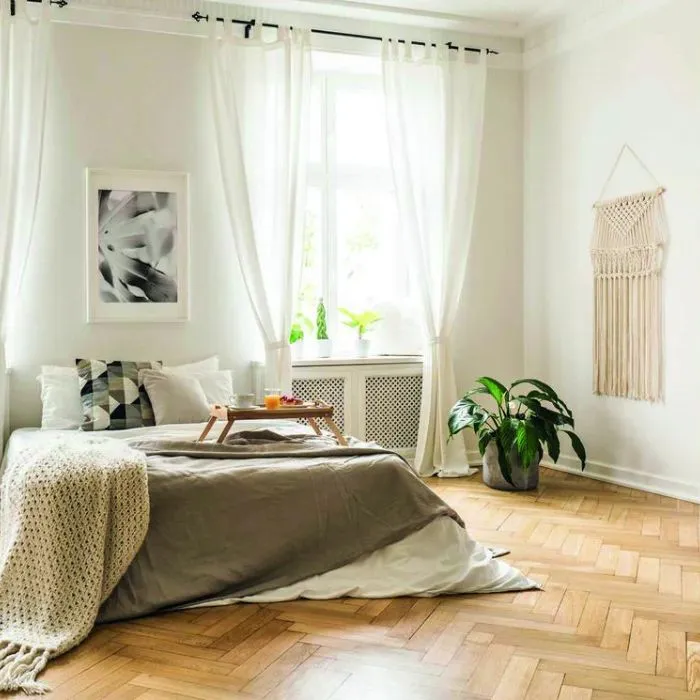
(498, 17)
(521, 12)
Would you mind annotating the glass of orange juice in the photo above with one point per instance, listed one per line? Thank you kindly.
(272, 399)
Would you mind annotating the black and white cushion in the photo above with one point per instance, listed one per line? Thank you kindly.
(111, 395)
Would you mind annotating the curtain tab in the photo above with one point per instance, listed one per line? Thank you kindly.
(280, 345)
(390, 49)
(386, 45)
(300, 37)
(437, 340)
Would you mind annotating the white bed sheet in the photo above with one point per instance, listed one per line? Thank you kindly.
(439, 559)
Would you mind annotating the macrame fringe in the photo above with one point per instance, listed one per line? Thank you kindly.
(20, 664)
(627, 256)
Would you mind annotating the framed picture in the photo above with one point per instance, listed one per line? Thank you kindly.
(137, 246)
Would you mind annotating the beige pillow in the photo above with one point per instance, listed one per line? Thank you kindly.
(176, 398)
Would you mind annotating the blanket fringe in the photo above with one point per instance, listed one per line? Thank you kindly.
(20, 664)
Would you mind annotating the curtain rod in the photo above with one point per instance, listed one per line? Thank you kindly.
(249, 24)
(58, 3)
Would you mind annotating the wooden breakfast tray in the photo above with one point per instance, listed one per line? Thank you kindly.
(311, 413)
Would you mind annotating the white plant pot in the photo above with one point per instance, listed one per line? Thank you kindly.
(324, 348)
(298, 350)
(362, 347)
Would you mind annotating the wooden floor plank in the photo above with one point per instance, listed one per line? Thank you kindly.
(693, 665)
(516, 678)
(618, 618)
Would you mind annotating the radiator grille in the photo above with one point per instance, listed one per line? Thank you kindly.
(392, 410)
(330, 390)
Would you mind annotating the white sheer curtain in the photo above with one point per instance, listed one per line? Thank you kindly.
(260, 94)
(24, 61)
(435, 107)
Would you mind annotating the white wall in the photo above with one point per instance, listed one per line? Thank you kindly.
(489, 332)
(637, 84)
(125, 99)
(129, 99)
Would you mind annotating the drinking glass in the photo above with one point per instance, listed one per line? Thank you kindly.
(272, 399)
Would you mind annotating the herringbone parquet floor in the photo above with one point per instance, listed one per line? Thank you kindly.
(619, 617)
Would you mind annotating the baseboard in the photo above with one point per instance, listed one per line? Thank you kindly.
(622, 476)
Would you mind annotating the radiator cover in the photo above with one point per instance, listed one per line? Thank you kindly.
(392, 410)
(374, 402)
(330, 390)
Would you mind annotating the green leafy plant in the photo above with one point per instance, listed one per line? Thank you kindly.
(302, 324)
(362, 321)
(524, 421)
(321, 321)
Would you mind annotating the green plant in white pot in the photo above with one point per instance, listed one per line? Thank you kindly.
(361, 322)
(529, 415)
(301, 325)
(323, 342)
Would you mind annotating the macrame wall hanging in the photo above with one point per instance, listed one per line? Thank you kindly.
(627, 253)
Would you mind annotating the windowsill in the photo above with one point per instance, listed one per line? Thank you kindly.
(347, 361)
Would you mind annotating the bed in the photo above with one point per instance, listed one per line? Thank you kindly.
(279, 518)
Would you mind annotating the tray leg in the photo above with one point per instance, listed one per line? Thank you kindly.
(314, 425)
(334, 429)
(224, 432)
(207, 428)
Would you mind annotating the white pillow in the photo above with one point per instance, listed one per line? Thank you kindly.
(177, 397)
(60, 398)
(216, 384)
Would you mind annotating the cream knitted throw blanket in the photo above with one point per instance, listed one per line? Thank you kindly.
(73, 513)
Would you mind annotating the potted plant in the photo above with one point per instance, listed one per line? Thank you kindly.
(302, 324)
(323, 344)
(528, 416)
(363, 322)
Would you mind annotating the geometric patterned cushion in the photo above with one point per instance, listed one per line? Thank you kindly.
(111, 395)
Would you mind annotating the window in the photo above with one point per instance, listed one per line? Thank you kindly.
(352, 254)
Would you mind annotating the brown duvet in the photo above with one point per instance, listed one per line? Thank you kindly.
(263, 511)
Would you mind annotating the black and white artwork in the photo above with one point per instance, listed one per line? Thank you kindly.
(137, 246)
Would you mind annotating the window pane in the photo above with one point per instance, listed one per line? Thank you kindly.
(369, 270)
(361, 137)
(316, 133)
(311, 276)
(372, 271)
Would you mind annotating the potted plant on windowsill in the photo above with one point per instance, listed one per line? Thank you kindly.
(362, 322)
(300, 327)
(512, 438)
(323, 343)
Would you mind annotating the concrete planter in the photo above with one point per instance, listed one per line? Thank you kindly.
(524, 479)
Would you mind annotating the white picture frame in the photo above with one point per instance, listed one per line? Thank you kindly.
(137, 237)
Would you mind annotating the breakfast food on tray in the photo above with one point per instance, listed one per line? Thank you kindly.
(290, 400)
